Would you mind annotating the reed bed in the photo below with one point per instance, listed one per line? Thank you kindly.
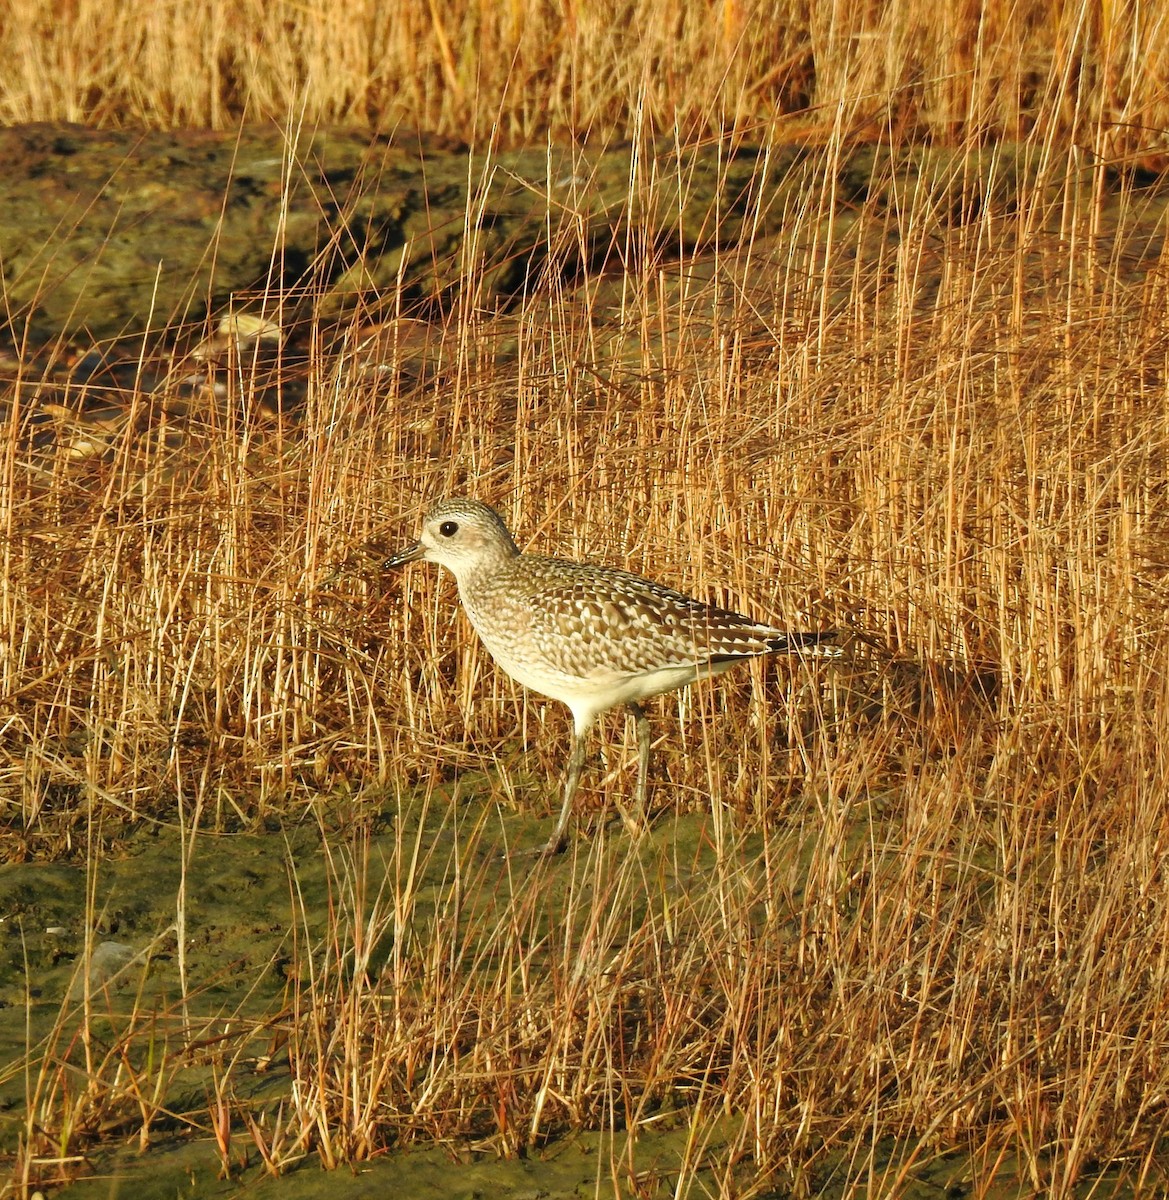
(1051, 68)
(913, 919)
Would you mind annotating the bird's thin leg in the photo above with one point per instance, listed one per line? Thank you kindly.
(576, 758)
(641, 723)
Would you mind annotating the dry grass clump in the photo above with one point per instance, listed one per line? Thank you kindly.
(1069, 68)
(898, 915)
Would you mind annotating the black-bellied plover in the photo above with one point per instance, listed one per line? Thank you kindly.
(592, 637)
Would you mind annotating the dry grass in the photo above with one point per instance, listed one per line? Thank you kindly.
(919, 918)
(915, 924)
(1092, 71)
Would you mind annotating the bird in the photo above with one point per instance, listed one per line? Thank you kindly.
(593, 637)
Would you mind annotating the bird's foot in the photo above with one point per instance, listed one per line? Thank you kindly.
(635, 823)
(551, 848)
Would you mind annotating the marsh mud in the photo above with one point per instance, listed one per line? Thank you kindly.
(117, 232)
(256, 910)
(153, 278)
(261, 913)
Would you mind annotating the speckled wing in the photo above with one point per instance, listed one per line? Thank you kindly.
(620, 623)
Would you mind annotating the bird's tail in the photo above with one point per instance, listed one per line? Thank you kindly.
(816, 642)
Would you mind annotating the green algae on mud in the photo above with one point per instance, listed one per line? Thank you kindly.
(256, 907)
(420, 912)
(583, 1165)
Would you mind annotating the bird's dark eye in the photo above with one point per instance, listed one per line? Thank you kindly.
(449, 528)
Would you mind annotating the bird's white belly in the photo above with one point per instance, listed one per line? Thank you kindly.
(601, 690)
